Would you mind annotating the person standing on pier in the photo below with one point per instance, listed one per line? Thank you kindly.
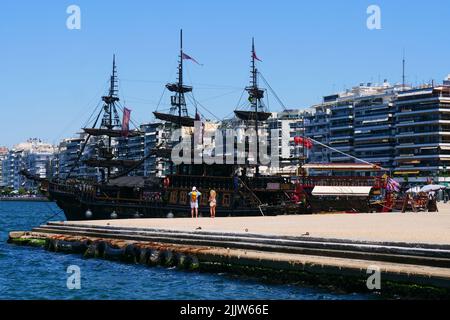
(212, 203)
(194, 195)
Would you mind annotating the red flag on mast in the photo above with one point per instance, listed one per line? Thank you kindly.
(255, 57)
(126, 122)
(307, 143)
(202, 133)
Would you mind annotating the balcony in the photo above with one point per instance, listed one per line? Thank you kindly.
(317, 132)
(377, 159)
(346, 148)
(343, 137)
(399, 114)
(372, 137)
(341, 117)
(316, 124)
(418, 99)
(349, 106)
(367, 129)
(373, 148)
(340, 158)
(412, 145)
(418, 134)
(376, 107)
(428, 156)
(341, 127)
(410, 123)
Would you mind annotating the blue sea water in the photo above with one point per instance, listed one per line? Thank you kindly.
(33, 273)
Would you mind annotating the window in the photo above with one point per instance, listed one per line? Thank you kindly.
(226, 200)
(183, 197)
(173, 197)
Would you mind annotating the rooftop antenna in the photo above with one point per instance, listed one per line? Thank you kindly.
(403, 71)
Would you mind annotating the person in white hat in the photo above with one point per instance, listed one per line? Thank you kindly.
(194, 195)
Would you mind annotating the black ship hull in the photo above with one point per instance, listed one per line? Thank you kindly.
(139, 197)
(76, 210)
(87, 204)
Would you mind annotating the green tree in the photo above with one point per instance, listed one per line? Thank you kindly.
(6, 191)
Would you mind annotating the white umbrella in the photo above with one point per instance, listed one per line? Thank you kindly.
(432, 187)
(416, 189)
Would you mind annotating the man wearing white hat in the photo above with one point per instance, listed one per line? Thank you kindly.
(194, 195)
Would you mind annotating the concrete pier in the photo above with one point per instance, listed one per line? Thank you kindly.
(410, 249)
(429, 228)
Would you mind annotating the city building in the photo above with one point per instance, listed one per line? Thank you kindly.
(66, 158)
(402, 129)
(155, 135)
(356, 124)
(132, 148)
(33, 156)
(422, 134)
(373, 138)
(317, 121)
(290, 124)
(3, 155)
(68, 162)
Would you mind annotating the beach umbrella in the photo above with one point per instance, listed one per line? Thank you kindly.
(432, 187)
(416, 189)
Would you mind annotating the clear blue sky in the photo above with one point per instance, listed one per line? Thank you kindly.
(51, 78)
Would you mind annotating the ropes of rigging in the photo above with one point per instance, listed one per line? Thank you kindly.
(203, 107)
(82, 110)
(336, 150)
(160, 98)
(273, 91)
(92, 114)
(346, 154)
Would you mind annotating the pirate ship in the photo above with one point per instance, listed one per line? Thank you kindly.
(119, 195)
(241, 188)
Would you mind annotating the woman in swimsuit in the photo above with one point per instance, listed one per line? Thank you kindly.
(212, 203)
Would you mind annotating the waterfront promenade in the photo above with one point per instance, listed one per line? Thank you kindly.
(431, 228)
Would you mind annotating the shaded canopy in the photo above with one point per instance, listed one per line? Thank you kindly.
(133, 182)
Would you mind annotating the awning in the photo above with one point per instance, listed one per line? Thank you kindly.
(341, 191)
(399, 173)
(375, 120)
(127, 182)
(343, 166)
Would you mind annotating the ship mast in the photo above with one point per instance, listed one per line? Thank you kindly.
(178, 100)
(110, 127)
(180, 80)
(111, 117)
(255, 96)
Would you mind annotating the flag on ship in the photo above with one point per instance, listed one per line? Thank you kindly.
(307, 143)
(255, 56)
(126, 122)
(392, 185)
(186, 57)
(201, 133)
